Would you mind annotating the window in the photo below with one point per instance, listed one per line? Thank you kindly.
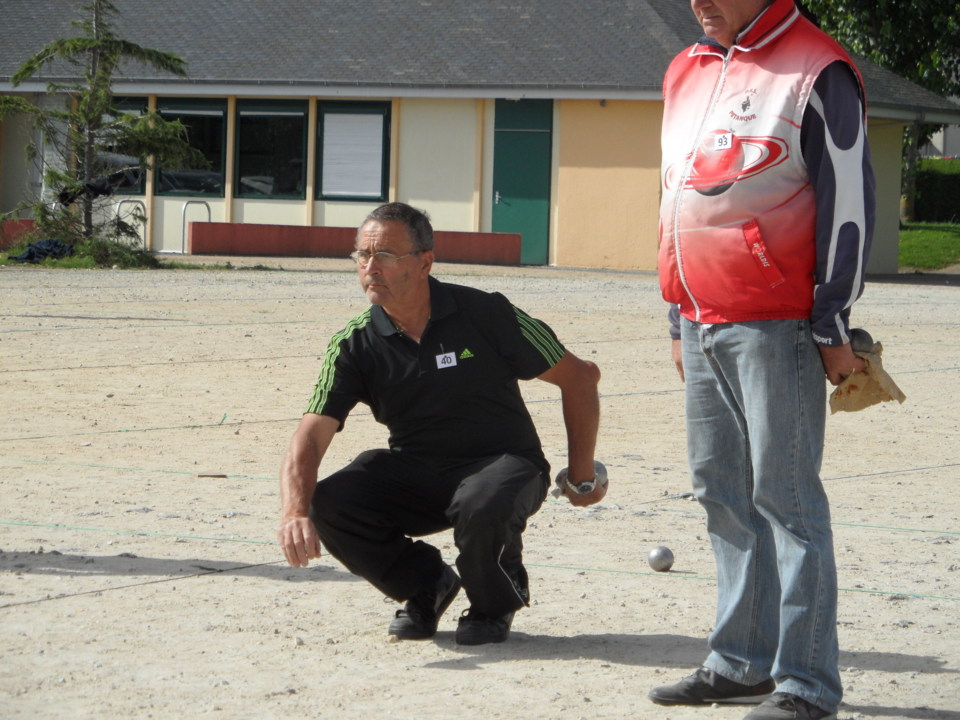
(122, 169)
(354, 150)
(271, 148)
(206, 131)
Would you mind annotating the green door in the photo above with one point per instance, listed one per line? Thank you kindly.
(521, 174)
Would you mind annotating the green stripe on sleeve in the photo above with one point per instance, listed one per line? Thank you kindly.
(537, 334)
(328, 370)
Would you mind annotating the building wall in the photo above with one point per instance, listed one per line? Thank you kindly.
(437, 159)
(14, 136)
(20, 180)
(435, 169)
(331, 213)
(170, 214)
(886, 142)
(946, 142)
(271, 212)
(605, 193)
(950, 141)
(608, 184)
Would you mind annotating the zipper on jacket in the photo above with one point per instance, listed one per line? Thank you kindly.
(685, 175)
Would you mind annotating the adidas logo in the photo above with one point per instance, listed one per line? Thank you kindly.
(466, 354)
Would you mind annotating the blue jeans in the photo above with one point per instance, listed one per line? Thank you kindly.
(756, 408)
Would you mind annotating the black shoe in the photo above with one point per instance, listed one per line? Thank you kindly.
(475, 628)
(706, 687)
(419, 617)
(784, 706)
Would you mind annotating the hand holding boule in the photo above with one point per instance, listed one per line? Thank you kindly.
(861, 341)
(585, 492)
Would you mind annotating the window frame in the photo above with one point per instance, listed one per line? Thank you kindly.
(204, 107)
(267, 108)
(382, 108)
(132, 105)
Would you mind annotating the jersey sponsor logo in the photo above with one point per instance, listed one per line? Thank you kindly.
(466, 354)
(724, 159)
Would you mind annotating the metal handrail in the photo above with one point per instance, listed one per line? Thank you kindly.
(143, 211)
(183, 228)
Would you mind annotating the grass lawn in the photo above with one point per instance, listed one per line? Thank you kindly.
(923, 246)
(929, 246)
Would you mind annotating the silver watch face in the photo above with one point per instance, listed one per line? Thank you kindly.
(584, 488)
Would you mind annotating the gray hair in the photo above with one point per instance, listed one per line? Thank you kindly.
(416, 221)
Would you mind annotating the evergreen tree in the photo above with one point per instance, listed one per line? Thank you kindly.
(96, 144)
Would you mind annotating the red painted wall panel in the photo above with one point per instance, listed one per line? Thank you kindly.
(10, 231)
(294, 241)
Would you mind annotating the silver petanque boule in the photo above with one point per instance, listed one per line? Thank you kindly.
(661, 558)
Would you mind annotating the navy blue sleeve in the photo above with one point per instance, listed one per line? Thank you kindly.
(835, 150)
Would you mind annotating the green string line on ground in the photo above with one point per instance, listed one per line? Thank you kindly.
(180, 326)
(122, 431)
(200, 361)
(935, 531)
(198, 426)
(99, 466)
(614, 571)
(710, 578)
(867, 526)
(100, 591)
(677, 496)
(144, 533)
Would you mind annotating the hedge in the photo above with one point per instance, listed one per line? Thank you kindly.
(938, 190)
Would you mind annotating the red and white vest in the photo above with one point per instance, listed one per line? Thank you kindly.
(737, 215)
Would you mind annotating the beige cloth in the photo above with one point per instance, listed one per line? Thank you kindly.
(863, 389)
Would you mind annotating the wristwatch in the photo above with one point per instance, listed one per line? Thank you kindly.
(585, 487)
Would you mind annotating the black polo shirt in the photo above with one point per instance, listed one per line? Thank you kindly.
(452, 397)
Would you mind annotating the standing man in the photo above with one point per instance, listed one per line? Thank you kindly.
(438, 364)
(766, 221)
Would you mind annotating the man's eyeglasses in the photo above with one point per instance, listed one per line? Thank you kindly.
(383, 258)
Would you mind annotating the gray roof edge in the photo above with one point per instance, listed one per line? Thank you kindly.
(932, 116)
(943, 114)
(206, 88)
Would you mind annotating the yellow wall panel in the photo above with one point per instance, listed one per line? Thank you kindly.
(886, 141)
(608, 184)
(437, 158)
(342, 213)
(269, 212)
(169, 219)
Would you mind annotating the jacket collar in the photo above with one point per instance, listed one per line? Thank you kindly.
(770, 24)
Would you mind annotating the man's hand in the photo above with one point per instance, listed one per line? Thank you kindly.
(298, 480)
(582, 499)
(839, 362)
(299, 540)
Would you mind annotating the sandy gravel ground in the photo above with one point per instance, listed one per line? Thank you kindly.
(144, 415)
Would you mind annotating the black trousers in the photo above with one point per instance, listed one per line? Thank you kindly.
(367, 513)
